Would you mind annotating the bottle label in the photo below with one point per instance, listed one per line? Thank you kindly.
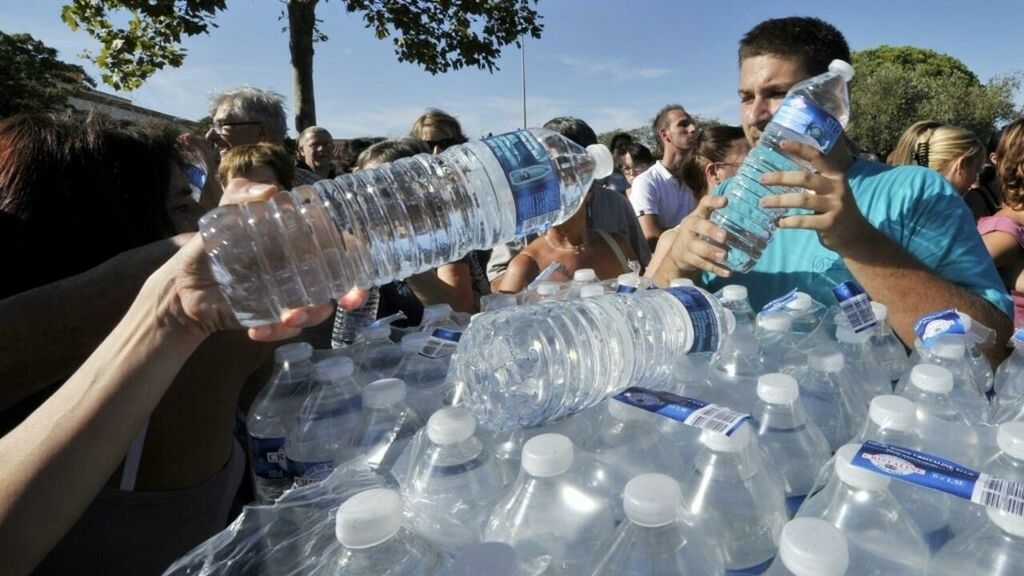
(306, 473)
(855, 305)
(939, 474)
(689, 411)
(533, 178)
(442, 343)
(751, 570)
(793, 503)
(780, 302)
(268, 460)
(706, 337)
(931, 326)
(803, 116)
(625, 289)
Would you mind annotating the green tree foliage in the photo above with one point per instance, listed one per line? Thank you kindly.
(896, 86)
(32, 78)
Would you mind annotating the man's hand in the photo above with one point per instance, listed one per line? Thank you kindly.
(697, 245)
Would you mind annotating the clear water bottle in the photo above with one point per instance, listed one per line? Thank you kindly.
(734, 297)
(271, 414)
(889, 351)
(733, 371)
(348, 324)
(548, 513)
(815, 112)
(375, 354)
(883, 540)
(811, 547)
(995, 549)
(385, 425)
(1007, 464)
(591, 290)
(792, 444)
(978, 336)
(780, 348)
(530, 365)
(829, 396)
(631, 438)
(863, 366)
(581, 278)
(655, 539)
(424, 369)
(373, 542)
(310, 244)
(491, 559)
(1008, 402)
(439, 316)
(733, 499)
(316, 439)
(943, 428)
(950, 352)
(808, 314)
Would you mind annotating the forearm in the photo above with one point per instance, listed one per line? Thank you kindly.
(450, 284)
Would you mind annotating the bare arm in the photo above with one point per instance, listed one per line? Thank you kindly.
(651, 229)
(521, 271)
(451, 284)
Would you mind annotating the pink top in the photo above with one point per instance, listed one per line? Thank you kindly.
(1009, 226)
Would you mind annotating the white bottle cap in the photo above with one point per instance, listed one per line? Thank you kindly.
(414, 342)
(369, 518)
(631, 279)
(547, 455)
(1010, 439)
(813, 547)
(843, 68)
(721, 443)
(776, 321)
(932, 378)
(333, 368)
(624, 412)
(451, 425)
(681, 283)
(825, 360)
(777, 389)
(652, 500)
(966, 320)
(846, 335)
(801, 301)
(591, 290)
(880, 310)
(855, 476)
(733, 292)
(891, 412)
(488, 559)
(604, 163)
(383, 393)
(435, 312)
(548, 288)
(948, 348)
(1009, 523)
(584, 275)
(294, 352)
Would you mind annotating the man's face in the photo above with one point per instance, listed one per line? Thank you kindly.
(231, 130)
(317, 150)
(438, 138)
(681, 130)
(764, 81)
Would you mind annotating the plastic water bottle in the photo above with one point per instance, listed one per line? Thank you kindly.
(317, 438)
(530, 365)
(631, 438)
(889, 351)
(373, 542)
(735, 500)
(950, 352)
(424, 369)
(814, 112)
(348, 324)
(440, 316)
(591, 290)
(655, 539)
(830, 397)
(1008, 402)
(978, 336)
(1007, 464)
(581, 278)
(547, 512)
(882, 538)
(811, 547)
(734, 297)
(490, 559)
(546, 290)
(861, 363)
(271, 414)
(308, 245)
(792, 444)
(943, 428)
(385, 425)
(453, 481)
(374, 353)
(733, 371)
(807, 313)
(995, 549)
(779, 346)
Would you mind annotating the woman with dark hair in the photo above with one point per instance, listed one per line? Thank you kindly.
(1003, 233)
(635, 160)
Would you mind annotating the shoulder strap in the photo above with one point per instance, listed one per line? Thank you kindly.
(615, 248)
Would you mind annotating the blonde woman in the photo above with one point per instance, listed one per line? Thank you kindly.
(1003, 233)
(955, 153)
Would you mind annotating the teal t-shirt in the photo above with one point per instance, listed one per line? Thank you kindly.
(915, 207)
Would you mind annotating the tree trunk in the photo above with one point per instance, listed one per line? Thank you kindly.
(301, 22)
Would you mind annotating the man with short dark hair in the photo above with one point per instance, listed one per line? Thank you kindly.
(902, 233)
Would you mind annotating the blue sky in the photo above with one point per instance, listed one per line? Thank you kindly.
(613, 63)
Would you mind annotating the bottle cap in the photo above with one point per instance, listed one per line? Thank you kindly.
(891, 412)
(414, 342)
(435, 312)
(825, 360)
(846, 335)
(294, 352)
(631, 279)
(948, 348)
(624, 412)
(733, 292)
(775, 321)
(813, 547)
(777, 389)
(801, 301)
(721, 443)
(451, 425)
(369, 518)
(855, 476)
(1009, 523)
(1010, 439)
(488, 559)
(842, 68)
(591, 290)
(881, 311)
(333, 368)
(383, 393)
(932, 378)
(680, 283)
(547, 455)
(548, 288)
(604, 163)
(584, 275)
(652, 500)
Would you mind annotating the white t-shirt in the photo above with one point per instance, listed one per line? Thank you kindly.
(657, 192)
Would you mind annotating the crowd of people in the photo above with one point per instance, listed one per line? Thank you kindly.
(124, 369)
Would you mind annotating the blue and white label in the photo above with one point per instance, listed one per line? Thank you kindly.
(780, 302)
(855, 305)
(625, 289)
(751, 570)
(268, 460)
(443, 342)
(306, 473)
(704, 321)
(689, 411)
(931, 326)
(1018, 336)
(803, 116)
(533, 178)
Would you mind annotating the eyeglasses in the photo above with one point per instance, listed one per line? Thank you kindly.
(220, 125)
(442, 144)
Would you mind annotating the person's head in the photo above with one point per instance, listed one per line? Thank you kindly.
(391, 150)
(635, 159)
(262, 163)
(717, 155)
(619, 142)
(955, 153)
(1010, 164)
(247, 116)
(775, 55)
(439, 129)
(675, 129)
(316, 148)
(574, 129)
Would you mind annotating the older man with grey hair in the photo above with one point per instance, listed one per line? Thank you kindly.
(316, 151)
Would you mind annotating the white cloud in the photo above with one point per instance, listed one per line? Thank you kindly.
(615, 69)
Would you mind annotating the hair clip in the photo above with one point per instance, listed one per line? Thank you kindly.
(921, 154)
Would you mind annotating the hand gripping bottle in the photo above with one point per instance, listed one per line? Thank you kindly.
(811, 547)
(308, 245)
(814, 113)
